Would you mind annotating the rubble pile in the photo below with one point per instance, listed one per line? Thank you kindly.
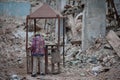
(97, 59)
(12, 48)
(112, 74)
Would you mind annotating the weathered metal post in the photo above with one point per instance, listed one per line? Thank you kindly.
(34, 26)
(58, 40)
(46, 59)
(27, 42)
(63, 42)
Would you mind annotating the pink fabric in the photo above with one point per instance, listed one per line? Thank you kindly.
(38, 45)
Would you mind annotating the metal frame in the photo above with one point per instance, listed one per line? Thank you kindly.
(58, 45)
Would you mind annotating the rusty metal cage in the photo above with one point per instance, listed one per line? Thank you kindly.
(44, 12)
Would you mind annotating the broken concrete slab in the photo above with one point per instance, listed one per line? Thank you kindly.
(94, 22)
(114, 41)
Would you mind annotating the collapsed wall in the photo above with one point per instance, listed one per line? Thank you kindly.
(94, 22)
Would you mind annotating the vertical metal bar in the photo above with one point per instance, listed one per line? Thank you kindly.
(34, 26)
(27, 42)
(63, 42)
(46, 59)
(58, 39)
(58, 32)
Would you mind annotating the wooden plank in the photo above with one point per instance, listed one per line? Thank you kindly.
(114, 41)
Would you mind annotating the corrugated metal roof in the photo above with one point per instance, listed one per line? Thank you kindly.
(45, 11)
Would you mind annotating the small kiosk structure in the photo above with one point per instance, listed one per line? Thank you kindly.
(44, 12)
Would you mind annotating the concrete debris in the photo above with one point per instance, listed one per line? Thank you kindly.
(94, 56)
(14, 77)
(96, 70)
(114, 40)
(110, 73)
(72, 52)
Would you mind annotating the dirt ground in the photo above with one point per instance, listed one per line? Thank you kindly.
(66, 74)
(76, 73)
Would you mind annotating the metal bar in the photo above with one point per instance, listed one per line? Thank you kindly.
(27, 42)
(63, 42)
(34, 26)
(58, 39)
(46, 59)
(58, 32)
(43, 17)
